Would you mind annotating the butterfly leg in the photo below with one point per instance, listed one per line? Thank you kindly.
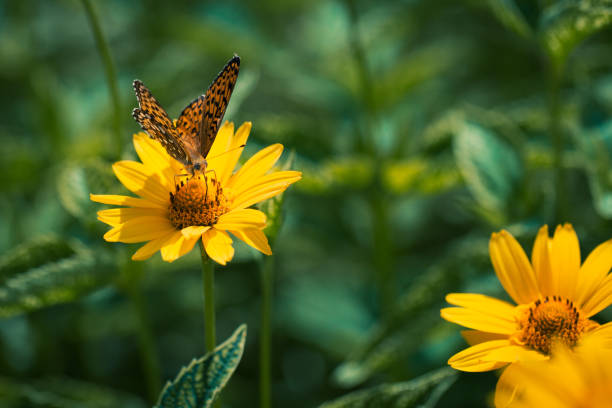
(176, 184)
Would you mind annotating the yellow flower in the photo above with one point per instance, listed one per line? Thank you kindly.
(555, 297)
(173, 210)
(570, 380)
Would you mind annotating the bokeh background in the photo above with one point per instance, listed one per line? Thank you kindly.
(420, 126)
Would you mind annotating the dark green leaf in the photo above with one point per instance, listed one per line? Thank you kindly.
(197, 385)
(46, 271)
(63, 393)
(509, 15)
(423, 391)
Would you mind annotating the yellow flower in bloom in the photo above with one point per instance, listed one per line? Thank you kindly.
(570, 380)
(174, 210)
(555, 297)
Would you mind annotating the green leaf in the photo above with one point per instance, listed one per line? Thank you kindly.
(509, 15)
(63, 393)
(423, 391)
(77, 180)
(564, 25)
(197, 385)
(490, 166)
(46, 271)
(415, 315)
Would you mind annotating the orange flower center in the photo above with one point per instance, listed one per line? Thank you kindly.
(552, 320)
(199, 201)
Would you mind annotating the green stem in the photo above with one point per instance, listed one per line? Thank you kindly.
(558, 142)
(146, 339)
(208, 281)
(382, 253)
(267, 284)
(109, 68)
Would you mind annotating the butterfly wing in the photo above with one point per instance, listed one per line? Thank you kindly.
(154, 120)
(189, 125)
(215, 103)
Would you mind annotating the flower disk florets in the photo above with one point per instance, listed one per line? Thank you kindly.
(198, 202)
(552, 320)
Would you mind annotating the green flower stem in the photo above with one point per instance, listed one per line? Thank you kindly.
(208, 280)
(557, 140)
(109, 68)
(267, 284)
(146, 340)
(382, 255)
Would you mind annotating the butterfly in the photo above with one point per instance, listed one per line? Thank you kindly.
(189, 139)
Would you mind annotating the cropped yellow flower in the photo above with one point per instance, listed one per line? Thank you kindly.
(570, 380)
(174, 210)
(555, 297)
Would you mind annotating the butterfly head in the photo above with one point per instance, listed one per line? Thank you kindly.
(197, 166)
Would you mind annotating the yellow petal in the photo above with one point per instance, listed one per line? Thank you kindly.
(178, 245)
(139, 179)
(154, 156)
(221, 143)
(601, 299)
(474, 319)
(593, 272)
(272, 185)
(513, 268)
(148, 249)
(540, 258)
(139, 230)
(171, 247)
(565, 259)
(247, 218)
(484, 304)
(194, 231)
(473, 358)
(218, 246)
(600, 337)
(474, 337)
(277, 178)
(513, 353)
(255, 238)
(225, 162)
(125, 200)
(256, 166)
(506, 390)
(117, 216)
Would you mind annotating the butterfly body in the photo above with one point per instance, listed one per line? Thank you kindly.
(190, 138)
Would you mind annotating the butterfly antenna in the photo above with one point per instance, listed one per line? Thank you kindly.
(227, 151)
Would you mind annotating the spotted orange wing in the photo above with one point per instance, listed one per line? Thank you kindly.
(215, 103)
(189, 125)
(154, 120)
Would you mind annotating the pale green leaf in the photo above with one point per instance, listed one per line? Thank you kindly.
(490, 166)
(565, 24)
(198, 384)
(77, 180)
(423, 391)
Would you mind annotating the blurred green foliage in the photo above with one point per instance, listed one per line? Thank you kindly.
(420, 126)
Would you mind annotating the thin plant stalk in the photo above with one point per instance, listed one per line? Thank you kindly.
(556, 135)
(109, 69)
(208, 282)
(382, 253)
(265, 357)
(146, 340)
